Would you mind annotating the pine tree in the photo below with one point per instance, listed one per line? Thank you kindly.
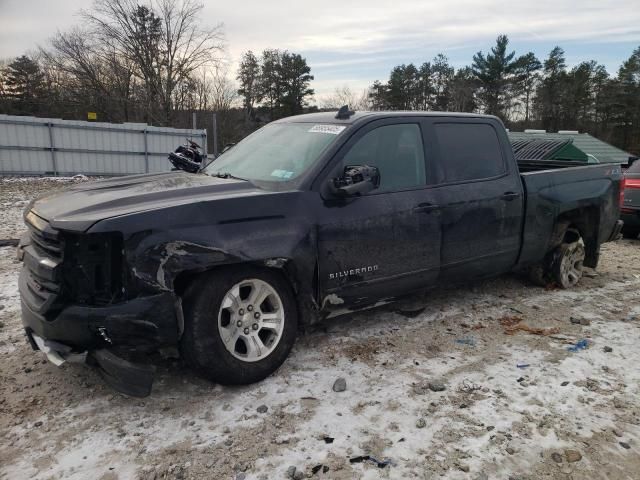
(25, 85)
(494, 72)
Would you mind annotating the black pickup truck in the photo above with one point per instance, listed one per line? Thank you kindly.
(309, 217)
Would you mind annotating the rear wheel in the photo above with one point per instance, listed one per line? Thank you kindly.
(568, 266)
(240, 324)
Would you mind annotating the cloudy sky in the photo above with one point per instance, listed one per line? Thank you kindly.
(353, 42)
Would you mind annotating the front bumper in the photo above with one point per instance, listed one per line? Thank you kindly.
(105, 334)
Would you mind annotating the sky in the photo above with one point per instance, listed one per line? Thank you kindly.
(354, 42)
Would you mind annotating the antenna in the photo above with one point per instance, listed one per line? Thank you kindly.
(344, 113)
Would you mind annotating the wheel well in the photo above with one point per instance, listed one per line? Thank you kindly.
(182, 281)
(572, 225)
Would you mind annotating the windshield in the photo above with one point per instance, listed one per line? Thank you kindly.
(277, 153)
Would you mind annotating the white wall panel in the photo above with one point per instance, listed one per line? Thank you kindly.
(34, 146)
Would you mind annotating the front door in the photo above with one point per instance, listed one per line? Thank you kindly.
(386, 242)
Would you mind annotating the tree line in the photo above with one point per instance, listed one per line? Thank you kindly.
(154, 63)
(157, 63)
(524, 92)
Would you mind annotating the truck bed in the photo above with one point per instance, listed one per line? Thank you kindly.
(527, 165)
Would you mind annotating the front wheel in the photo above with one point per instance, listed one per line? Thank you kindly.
(240, 324)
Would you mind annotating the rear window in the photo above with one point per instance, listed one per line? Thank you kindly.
(468, 151)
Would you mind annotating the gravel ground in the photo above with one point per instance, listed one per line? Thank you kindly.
(464, 389)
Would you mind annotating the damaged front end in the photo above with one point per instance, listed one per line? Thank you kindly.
(80, 300)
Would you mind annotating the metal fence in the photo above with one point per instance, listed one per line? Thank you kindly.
(46, 146)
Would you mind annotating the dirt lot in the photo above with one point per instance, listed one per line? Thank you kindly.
(460, 390)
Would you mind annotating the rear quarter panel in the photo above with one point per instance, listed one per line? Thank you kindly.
(551, 193)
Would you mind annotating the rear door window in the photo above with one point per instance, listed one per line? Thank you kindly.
(468, 151)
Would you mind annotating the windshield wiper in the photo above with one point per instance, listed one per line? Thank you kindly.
(227, 175)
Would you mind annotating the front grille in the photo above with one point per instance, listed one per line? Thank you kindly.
(67, 268)
(48, 244)
(93, 268)
(43, 257)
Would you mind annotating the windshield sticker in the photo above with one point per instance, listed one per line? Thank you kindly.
(284, 174)
(331, 129)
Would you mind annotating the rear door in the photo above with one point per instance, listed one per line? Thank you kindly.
(481, 198)
(386, 242)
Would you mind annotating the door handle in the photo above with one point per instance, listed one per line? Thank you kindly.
(509, 196)
(426, 208)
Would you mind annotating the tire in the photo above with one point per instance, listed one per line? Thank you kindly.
(538, 275)
(567, 268)
(213, 305)
(630, 233)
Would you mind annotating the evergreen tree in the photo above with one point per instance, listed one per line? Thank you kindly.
(495, 74)
(24, 85)
(527, 75)
(551, 91)
(462, 91)
(249, 78)
(629, 100)
(295, 76)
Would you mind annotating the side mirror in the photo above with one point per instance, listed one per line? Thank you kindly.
(356, 180)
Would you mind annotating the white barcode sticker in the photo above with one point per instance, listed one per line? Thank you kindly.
(331, 129)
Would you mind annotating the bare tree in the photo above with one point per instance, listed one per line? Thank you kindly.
(345, 96)
(163, 41)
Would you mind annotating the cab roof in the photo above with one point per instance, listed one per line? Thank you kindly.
(330, 117)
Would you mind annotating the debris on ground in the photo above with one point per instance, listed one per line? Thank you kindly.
(534, 331)
(466, 341)
(579, 345)
(369, 458)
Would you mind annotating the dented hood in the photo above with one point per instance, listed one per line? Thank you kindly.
(82, 205)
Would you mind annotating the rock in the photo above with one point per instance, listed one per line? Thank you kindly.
(585, 321)
(556, 457)
(291, 472)
(37, 424)
(617, 433)
(490, 427)
(572, 456)
(564, 384)
(510, 450)
(421, 423)
(625, 445)
(241, 476)
(437, 387)
(608, 349)
(465, 468)
(262, 409)
(481, 476)
(574, 320)
(299, 475)
(340, 385)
